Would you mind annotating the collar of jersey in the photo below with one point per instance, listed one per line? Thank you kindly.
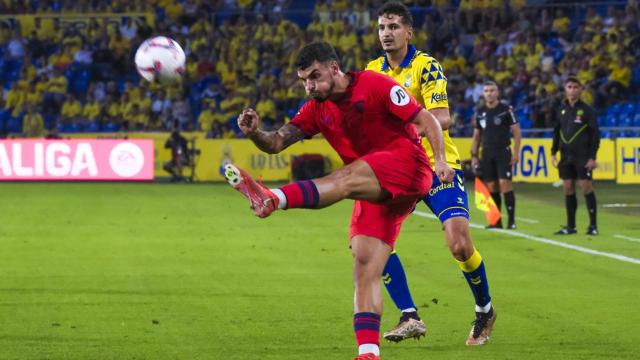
(407, 59)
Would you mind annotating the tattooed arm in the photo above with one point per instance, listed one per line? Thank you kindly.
(271, 142)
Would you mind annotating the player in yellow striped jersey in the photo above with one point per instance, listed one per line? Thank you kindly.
(423, 77)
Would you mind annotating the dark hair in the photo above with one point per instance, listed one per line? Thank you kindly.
(316, 51)
(397, 8)
(490, 83)
(573, 79)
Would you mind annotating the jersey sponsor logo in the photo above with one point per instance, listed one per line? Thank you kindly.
(399, 96)
(437, 97)
(440, 187)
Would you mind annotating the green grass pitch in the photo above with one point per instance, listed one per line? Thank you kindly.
(156, 271)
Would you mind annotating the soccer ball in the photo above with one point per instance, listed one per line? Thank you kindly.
(160, 59)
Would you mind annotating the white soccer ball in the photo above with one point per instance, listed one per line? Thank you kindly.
(160, 59)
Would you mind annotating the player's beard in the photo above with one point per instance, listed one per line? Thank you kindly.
(317, 96)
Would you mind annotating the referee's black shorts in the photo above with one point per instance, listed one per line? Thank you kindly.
(572, 169)
(496, 165)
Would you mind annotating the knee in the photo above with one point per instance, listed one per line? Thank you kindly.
(461, 251)
(460, 245)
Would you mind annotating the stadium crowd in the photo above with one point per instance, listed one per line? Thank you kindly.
(75, 76)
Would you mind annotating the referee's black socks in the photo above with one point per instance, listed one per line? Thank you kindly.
(590, 199)
(571, 203)
(496, 199)
(510, 202)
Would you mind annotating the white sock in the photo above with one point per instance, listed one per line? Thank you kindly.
(282, 203)
(369, 348)
(409, 310)
(484, 309)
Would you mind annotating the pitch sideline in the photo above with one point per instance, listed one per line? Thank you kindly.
(547, 241)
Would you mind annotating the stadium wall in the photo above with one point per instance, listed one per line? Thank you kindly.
(617, 159)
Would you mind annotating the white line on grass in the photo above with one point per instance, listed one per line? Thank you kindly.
(619, 205)
(530, 221)
(547, 241)
(626, 238)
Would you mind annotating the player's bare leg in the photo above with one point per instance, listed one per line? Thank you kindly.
(369, 258)
(459, 241)
(354, 181)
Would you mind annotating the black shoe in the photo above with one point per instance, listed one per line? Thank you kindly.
(592, 230)
(498, 225)
(511, 226)
(566, 231)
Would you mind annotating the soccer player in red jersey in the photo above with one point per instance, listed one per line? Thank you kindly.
(375, 127)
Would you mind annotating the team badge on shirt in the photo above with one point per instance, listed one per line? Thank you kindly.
(407, 81)
(399, 96)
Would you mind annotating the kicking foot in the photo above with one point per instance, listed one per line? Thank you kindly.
(263, 201)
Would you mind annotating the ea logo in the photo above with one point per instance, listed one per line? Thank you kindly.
(399, 96)
(126, 159)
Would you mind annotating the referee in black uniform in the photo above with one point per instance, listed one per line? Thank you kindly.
(494, 123)
(577, 137)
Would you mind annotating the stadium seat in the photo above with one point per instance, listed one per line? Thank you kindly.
(628, 109)
(636, 120)
(625, 120)
(525, 123)
(614, 109)
(110, 127)
(14, 124)
(635, 79)
(611, 121)
(49, 121)
(93, 126)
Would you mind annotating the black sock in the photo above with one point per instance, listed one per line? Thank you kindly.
(571, 203)
(590, 198)
(498, 200)
(510, 202)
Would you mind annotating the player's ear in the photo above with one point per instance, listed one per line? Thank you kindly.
(410, 32)
(334, 67)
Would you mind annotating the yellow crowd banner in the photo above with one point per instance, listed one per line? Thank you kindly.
(628, 160)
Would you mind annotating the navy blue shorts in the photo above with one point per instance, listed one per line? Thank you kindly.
(448, 200)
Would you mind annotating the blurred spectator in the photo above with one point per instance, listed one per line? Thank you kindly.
(32, 123)
(71, 110)
(181, 113)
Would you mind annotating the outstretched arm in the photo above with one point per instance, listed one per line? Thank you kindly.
(271, 142)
